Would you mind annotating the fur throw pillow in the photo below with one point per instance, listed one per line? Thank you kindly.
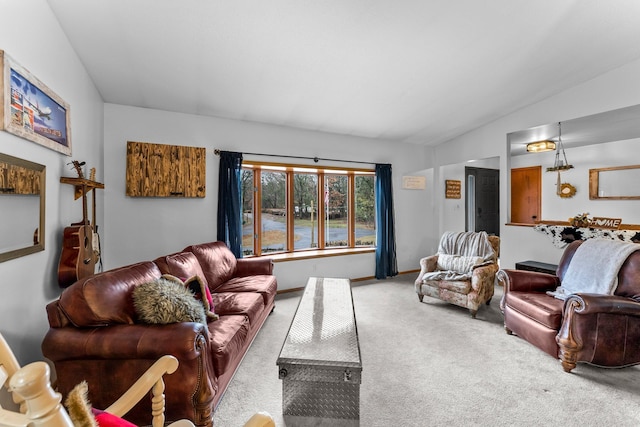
(167, 301)
(79, 407)
(83, 415)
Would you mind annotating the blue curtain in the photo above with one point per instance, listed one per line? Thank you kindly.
(386, 265)
(230, 201)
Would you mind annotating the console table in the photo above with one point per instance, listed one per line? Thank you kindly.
(540, 267)
(319, 362)
(562, 235)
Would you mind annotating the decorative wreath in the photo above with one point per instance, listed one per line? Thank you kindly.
(566, 190)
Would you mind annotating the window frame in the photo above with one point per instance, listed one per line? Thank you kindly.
(320, 171)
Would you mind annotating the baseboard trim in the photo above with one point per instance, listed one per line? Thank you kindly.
(358, 279)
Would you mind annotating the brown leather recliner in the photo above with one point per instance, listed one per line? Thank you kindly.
(603, 330)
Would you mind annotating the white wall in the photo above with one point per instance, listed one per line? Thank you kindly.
(30, 34)
(616, 89)
(604, 155)
(145, 228)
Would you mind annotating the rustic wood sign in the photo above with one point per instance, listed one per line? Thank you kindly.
(452, 189)
(159, 170)
(609, 223)
(414, 182)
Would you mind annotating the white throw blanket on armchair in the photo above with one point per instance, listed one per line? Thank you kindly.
(594, 268)
(467, 244)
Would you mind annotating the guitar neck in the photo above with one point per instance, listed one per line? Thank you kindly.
(85, 216)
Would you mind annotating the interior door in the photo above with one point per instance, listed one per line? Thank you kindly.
(483, 200)
(526, 187)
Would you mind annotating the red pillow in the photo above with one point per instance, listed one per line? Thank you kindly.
(106, 419)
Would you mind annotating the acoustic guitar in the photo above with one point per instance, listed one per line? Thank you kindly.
(77, 259)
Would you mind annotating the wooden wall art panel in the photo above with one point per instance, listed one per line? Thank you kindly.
(160, 170)
(18, 180)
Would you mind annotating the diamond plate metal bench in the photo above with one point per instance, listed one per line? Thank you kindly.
(319, 362)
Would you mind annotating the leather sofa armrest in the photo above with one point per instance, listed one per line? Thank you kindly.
(598, 303)
(527, 281)
(56, 317)
(254, 266)
(140, 341)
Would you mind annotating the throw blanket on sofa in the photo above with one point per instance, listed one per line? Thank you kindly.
(474, 247)
(594, 268)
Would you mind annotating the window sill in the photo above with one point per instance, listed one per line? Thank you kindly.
(296, 256)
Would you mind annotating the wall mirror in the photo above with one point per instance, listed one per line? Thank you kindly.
(22, 203)
(615, 183)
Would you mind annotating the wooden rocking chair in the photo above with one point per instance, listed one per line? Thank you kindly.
(41, 406)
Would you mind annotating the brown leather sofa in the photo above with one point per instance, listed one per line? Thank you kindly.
(603, 330)
(95, 334)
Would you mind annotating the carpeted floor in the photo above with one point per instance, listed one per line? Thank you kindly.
(431, 364)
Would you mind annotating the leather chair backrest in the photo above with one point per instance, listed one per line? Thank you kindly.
(567, 255)
(628, 277)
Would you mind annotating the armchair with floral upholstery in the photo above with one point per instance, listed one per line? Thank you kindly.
(462, 272)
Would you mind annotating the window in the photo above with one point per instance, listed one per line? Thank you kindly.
(336, 209)
(287, 208)
(305, 210)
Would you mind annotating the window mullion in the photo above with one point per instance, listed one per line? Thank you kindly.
(321, 209)
(257, 212)
(351, 212)
(289, 211)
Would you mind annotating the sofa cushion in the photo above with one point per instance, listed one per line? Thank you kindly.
(227, 337)
(457, 286)
(247, 303)
(105, 298)
(182, 265)
(217, 261)
(540, 307)
(458, 263)
(166, 300)
(264, 285)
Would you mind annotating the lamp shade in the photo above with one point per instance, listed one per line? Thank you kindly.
(540, 146)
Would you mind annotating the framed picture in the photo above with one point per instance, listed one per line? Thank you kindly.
(31, 110)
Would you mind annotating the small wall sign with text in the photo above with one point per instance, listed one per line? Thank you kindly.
(452, 189)
(609, 223)
(414, 182)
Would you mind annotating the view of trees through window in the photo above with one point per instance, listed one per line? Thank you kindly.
(290, 208)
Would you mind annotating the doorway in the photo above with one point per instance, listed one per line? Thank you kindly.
(526, 189)
(483, 200)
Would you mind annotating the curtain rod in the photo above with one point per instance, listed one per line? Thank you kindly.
(315, 159)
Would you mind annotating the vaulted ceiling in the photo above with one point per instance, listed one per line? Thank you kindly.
(419, 71)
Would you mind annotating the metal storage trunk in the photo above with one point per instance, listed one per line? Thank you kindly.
(319, 362)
